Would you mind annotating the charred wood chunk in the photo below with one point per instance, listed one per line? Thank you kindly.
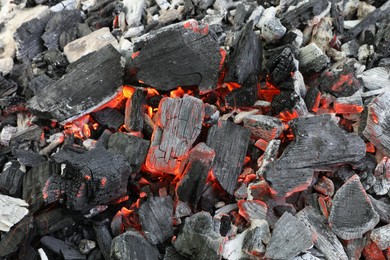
(246, 56)
(51, 221)
(252, 209)
(133, 148)
(381, 236)
(264, 127)
(280, 66)
(92, 178)
(132, 245)
(312, 99)
(38, 83)
(51, 62)
(18, 237)
(198, 240)
(182, 54)
(102, 13)
(354, 247)
(179, 121)
(172, 254)
(193, 174)
(378, 123)
(135, 111)
(254, 238)
(337, 14)
(312, 59)
(289, 238)
(346, 105)
(326, 242)
(286, 101)
(155, 216)
(7, 87)
(34, 182)
(245, 96)
(339, 84)
(28, 38)
(319, 142)
(28, 157)
(11, 179)
(382, 207)
(75, 94)
(347, 220)
(60, 248)
(230, 143)
(303, 13)
(58, 23)
(103, 238)
(109, 117)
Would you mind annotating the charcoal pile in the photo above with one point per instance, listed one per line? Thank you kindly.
(195, 129)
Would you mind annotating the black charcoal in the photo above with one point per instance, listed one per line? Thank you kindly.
(109, 117)
(135, 110)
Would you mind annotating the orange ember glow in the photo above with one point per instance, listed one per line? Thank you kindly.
(128, 91)
(223, 57)
(179, 92)
(286, 116)
(374, 116)
(370, 148)
(152, 92)
(261, 144)
(338, 86)
(316, 103)
(232, 85)
(103, 181)
(268, 92)
(347, 108)
(135, 54)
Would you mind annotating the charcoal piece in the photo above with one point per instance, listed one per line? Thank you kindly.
(104, 239)
(252, 209)
(179, 121)
(32, 133)
(376, 78)
(51, 221)
(11, 179)
(28, 157)
(193, 174)
(354, 247)
(264, 127)
(86, 246)
(135, 110)
(67, 37)
(270, 155)
(319, 142)
(230, 143)
(21, 74)
(326, 242)
(254, 238)
(7, 87)
(312, 59)
(246, 56)
(104, 138)
(102, 14)
(381, 236)
(245, 96)
(39, 83)
(155, 216)
(133, 148)
(66, 98)
(109, 117)
(346, 105)
(289, 238)
(92, 178)
(172, 254)
(285, 101)
(377, 130)
(280, 66)
(58, 23)
(198, 240)
(339, 83)
(302, 13)
(34, 182)
(346, 219)
(69, 253)
(28, 38)
(132, 245)
(181, 54)
(337, 15)
(51, 62)
(382, 207)
(312, 99)
(18, 237)
(58, 246)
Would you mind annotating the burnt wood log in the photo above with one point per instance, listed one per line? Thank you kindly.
(326, 242)
(133, 148)
(92, 178)
(11, 179)
(57, 24)
(230, 143)
(289, 238)
(246, 56)
(132, 245)
(198, 240)
(303, 13)
(51, 221)
(181, 54)
(135, 111)
(347, 220)
(193, 173)
(34, 182)
(75, 94)
(179, 121)
(38, 83)
(155, 216)
(109, 117)
(377, 130)
(319, 142)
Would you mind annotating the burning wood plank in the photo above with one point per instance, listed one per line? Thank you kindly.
(182, 54)
(289, 238)
(155, 216)
(378, 123)
(66, 98)
(346, 219)
(230, 143)
(194, 173)
(319, 142)
(178, 125)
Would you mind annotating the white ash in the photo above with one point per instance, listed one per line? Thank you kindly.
(271, 27)
(134, 31)
(42, 254)
(65, 5)
(6, 134)
(376, 78)
(86, 246)
(238, 119)
(349, 24)
(365, 51)
(256, 15)
(222, 5)
(12, 210)
(312, 58)
(134, 10)
(364, 9)
(381, 236)
(316, 19)
(163, 4)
